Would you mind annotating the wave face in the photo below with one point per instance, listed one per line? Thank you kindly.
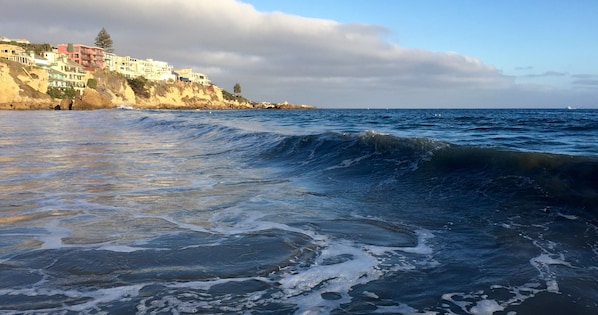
(369, 157)
(299, 212)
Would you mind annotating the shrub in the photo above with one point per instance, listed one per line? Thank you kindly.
(55, 92)
(139, 86)
(61, 93)
(92, 83)
(231, 97)
(70, 92)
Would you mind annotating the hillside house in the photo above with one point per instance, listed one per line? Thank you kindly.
(133, 67)
(62, 72)
(88, 57)
(16, 53)
(187, 74)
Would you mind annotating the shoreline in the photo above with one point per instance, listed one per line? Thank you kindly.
(26, 88)
(60, 105)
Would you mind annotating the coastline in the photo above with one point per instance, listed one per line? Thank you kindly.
(26, 88)
(56, 105)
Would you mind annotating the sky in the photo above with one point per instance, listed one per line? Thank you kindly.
(348, 54)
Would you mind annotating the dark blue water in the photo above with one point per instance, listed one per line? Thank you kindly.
(299, 212)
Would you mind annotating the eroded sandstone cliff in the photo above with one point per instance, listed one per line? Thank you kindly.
(182, 95)
(24, 87)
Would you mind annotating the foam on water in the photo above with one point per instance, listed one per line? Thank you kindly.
(120, 248)
(486, 307)
(422, 247)
(342, 262)
(67, 299)
(184, 212)
(543, 262)
(55, 235)
(314, 288)
(308, 288)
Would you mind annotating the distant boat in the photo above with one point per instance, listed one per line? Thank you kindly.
(569, 107)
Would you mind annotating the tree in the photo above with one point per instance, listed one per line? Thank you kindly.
(103, 40)
(139, 86)
(237, 89)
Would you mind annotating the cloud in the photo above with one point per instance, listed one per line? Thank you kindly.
(275, 56)
(526, 68)
(585, 81)
(584, 76)
(588, 83)
(547, 74)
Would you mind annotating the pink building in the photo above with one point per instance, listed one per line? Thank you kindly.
(88, 57)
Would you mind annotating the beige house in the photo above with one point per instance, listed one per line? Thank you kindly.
(124, 65)
(133, 67)
(65, 72)
(16, 53)
(187, 74)
(62, 71)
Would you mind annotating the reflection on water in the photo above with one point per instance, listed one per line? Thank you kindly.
(188, 212)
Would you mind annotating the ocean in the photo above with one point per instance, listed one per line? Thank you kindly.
(329, 211)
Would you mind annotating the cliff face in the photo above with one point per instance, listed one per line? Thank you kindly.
(182, 95)
(114, 87)
(25, 88)
(113, 90)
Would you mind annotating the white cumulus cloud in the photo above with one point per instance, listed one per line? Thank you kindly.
(274, 55)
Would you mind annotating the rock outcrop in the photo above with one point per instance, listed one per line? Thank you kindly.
(114, 87)
(182, 95)
(92, 99)
(24, 88)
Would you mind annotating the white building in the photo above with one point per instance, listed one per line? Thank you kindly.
(132, 67)
(187, 74)
(62, 72)
(157, 70)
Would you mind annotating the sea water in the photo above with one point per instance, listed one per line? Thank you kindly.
(299, 212)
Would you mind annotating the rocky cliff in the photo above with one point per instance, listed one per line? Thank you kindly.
(182, 95)
(25, 88)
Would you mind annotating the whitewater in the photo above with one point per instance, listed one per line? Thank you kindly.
(329, 211)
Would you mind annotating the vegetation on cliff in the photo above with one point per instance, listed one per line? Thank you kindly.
(23, 87)
(233, 97)
(139, 86)
(103, 40)
(106, 89)
(57, 93)
(36, 48)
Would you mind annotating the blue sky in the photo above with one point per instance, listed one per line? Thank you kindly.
(357, 53)
(521, 38)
